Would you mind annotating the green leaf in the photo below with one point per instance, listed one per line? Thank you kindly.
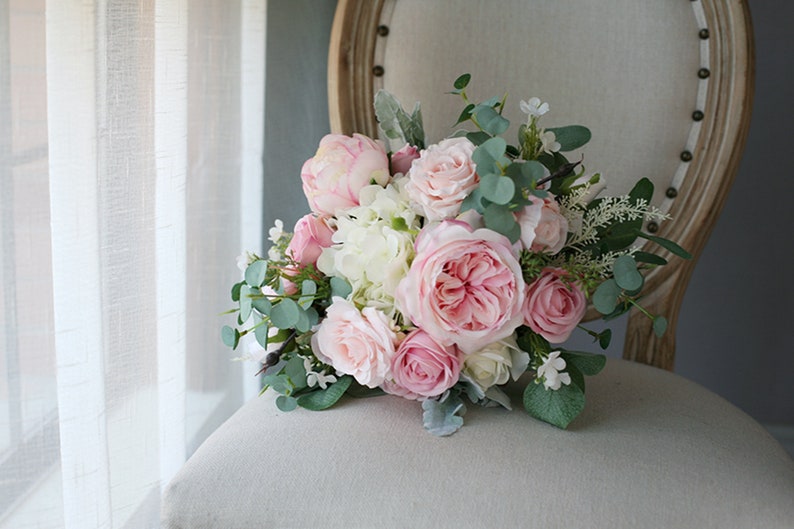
(588, 363)
(604, 338)
(659, 325)
(642, 189)
(497, 189)
(230, 336)
(501, 220)
(285, 403)
(325, 398)
(571, 137)
(313, 316)
(296, 372)
(262, 304)
(462, 81)
(255, 273)
(478, 138)
(308, 290)
(236, 291)
(490, 120)
(443, 417)
(489, 155)
(245, 303)
(473, 201)
(465, 115)
(279, 382)
(285, 314)
(303, 324)
(260, 333)
(605, 298)
(399, 224)
(667, 245)
(558, 407)
(340, 287)
(626, 274)
(645, 257)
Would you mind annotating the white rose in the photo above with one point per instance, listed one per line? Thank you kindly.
(496, 363)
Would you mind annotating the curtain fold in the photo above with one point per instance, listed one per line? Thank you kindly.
(131, 178)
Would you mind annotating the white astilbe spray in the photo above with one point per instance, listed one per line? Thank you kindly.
(608, 210)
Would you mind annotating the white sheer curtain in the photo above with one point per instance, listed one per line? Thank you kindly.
(131, 139)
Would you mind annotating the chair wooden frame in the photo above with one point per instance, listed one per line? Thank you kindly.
(700, 199)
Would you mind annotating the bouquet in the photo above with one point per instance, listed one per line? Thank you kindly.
(442, 272)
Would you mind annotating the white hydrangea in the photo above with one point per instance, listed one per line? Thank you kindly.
(552, 372)
(369, 250)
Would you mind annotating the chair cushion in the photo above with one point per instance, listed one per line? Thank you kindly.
(651, 449)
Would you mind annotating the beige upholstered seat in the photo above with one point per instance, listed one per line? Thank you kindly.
(665, 86)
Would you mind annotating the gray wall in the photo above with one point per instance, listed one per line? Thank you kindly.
(736, 332)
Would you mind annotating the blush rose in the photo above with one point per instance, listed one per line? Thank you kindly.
(311, 235)
(441, 178)
(358, 343)
(402, 159)
(464, 287)
(423, 368)
(342, 166)
(543, 228)
(553, 306)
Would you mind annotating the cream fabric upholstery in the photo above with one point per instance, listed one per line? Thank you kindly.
(640, 74)
(650, 450)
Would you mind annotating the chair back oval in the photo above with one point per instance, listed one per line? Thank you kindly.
(664, 86)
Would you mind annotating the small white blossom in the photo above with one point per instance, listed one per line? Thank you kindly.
(533, 107)
(245, 259)
(315, 379)
(276, 232)
(548, 142)
(551, 371)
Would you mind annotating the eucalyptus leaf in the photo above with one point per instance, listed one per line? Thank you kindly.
(261, 304)
(308, 290)
(296, 372)
(659, 325)
(571, 137)
(285, 403)
(260, 333)
(325, 398)
(473, 201)
(650, 258)
(489, 120)
(465, 115)
(497, 189)
(489, 155)
(340, 287)
(444, 416)
(280, 383)
(285, 314)
(255, 273)
(230, 336)
(626, 274)
(604, 338)
(501, 220)
(462, 81)
(556, 407)
(605, 298)
(236, 291)
(478, 137)
(245, 303)
(303, 324)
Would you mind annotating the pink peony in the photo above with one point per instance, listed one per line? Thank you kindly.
(543, 228)
(422, 367)
(553, 307)
(342, 166)
(464, 286)
(311, 235)
(441, 178)
(402, 159)
(359, 343)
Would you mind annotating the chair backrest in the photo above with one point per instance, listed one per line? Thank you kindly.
(664, 85)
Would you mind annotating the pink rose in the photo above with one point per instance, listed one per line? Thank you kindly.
(554, 307)
(359, 343)
(442, 176)
(543, 228)
(311, 235)
(464, 286)
(342, 166)
(402, 159)
(422, 367)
